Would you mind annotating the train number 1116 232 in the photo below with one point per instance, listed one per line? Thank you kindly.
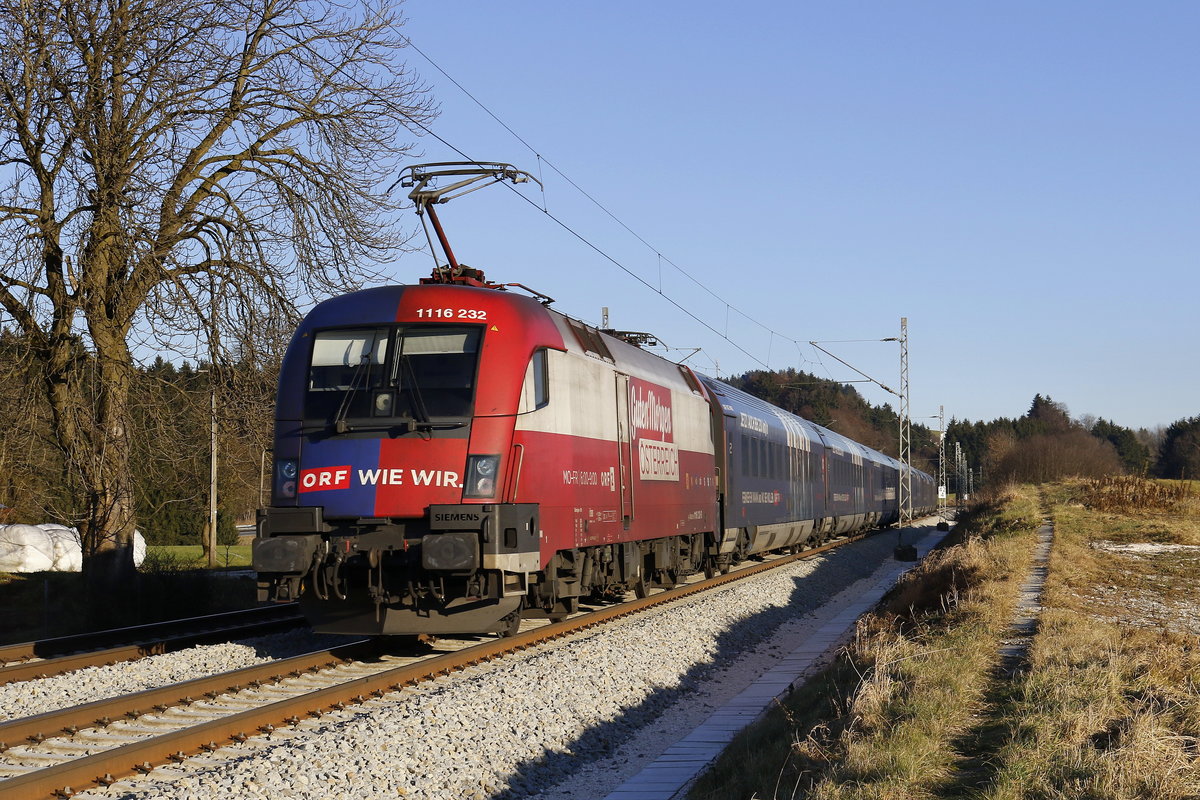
(477, 314)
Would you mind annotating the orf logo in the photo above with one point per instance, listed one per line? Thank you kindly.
(322, 478)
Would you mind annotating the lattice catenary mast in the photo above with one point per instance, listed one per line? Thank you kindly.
(942, 490)
(906, 511)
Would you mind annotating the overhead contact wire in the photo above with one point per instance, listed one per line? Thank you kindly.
(659, 291)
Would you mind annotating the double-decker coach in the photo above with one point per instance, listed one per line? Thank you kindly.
(790, 482)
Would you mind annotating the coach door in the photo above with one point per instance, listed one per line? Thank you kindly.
(624, 450)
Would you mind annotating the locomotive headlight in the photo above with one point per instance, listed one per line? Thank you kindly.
(481, 476)
(285, 478)
(383, 404)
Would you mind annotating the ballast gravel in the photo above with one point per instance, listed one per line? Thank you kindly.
(565, 721)
(40, 695)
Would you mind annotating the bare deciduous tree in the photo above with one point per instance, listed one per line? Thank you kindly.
(1046, 457)
(154, 150)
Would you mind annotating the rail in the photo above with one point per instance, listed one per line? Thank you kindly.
(65, 654)
(104, 768)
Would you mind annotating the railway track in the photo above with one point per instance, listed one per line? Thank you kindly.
(65, 654)
(61, 753)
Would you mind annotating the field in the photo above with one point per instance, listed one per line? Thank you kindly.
(1106, 703)
(192, 556)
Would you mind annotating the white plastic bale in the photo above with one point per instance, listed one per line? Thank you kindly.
(50, 547)
(66, 547)
(139, 548)
(25, 548)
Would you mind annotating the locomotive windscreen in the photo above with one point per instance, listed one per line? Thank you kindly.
(419, 372)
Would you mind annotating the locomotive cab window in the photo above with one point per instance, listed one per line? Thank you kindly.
(344, 358)
(433, 372)
(404, 373)
(535, 389)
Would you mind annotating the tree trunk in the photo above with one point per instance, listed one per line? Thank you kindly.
(92, 424)
(111, 513)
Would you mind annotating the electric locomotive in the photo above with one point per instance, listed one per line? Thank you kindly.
(438, 446)
(452, 456)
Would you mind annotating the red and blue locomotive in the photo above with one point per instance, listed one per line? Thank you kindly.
(451, 456)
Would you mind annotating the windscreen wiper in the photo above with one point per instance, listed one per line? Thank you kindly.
(419, 409)
(339, 419)
(441, 426)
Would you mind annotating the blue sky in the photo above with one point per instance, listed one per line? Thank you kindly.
(1020, 180)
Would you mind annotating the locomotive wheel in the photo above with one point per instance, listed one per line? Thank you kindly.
(710, 568)
(639, 587)
(511, 623)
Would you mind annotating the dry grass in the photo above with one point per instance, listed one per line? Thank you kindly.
(1128, 494)
(926, 669)
(1107, 707)
(884, 720)
(1111, 705)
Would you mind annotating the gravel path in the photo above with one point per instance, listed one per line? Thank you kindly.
(568, 721)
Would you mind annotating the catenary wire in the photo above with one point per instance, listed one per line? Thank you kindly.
(600, 251)
(657, 290)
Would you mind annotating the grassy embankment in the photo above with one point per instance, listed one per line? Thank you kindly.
(1108, 705)
(192, 556)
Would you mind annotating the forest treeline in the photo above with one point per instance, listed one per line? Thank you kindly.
(1043, 444)
(173, 411)
(1047, 444)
